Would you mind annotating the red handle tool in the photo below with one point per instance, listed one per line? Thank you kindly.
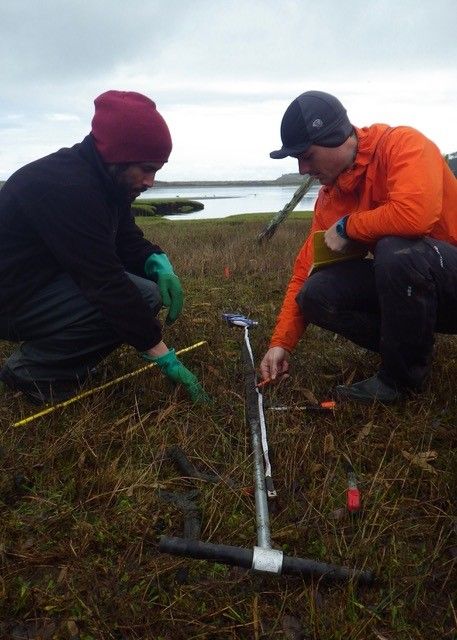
(352, 494)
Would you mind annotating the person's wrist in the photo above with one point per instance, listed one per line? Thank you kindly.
(287, 352)
(159, 349)
(162, 356)
(341, 227)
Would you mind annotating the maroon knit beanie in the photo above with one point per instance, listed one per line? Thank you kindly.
(128, 128)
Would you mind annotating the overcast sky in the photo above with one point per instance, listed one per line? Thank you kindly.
(222, 72)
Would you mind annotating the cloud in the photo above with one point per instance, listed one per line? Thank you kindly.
(62, 117)
(222, 73)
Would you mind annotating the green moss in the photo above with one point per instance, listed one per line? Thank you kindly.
(165, 206)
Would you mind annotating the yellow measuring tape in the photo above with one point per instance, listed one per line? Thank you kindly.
(20, 423)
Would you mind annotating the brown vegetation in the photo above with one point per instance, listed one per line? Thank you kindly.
(80, 509)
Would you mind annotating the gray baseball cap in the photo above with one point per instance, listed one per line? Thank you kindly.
(314, 117)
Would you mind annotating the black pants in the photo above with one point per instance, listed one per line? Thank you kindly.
(63, 335)
(393, 304)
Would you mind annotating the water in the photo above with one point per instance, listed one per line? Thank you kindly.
(221, 202)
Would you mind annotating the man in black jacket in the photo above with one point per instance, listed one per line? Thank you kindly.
(77, 277)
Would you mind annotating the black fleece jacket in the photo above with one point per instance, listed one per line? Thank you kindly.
(63, 213)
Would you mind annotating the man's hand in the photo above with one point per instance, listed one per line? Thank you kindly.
(275, 364)
(158, 267)
(334, 241)
(174, 370)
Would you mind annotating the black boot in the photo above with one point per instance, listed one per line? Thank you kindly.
(367, 391)
(38, 393)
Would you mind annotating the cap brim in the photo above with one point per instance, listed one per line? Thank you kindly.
(279, 154)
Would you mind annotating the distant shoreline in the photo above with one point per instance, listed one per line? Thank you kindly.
(287, 180)
(227, 183)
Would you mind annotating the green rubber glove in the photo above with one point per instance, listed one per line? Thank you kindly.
(174, 369)
(159, 268)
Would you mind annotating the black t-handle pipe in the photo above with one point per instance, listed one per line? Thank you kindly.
(238, 556)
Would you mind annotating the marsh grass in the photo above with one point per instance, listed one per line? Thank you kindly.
(165, 206)
(80, 508)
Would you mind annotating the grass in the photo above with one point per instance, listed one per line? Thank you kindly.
(80, 509)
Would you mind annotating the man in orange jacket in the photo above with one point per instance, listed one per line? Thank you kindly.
(390, 189)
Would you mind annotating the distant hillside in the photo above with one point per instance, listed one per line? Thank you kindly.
(287, 178)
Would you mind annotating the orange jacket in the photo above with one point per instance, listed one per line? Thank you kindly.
(399, 185)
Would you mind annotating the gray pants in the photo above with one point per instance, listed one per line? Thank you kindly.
(63, 336)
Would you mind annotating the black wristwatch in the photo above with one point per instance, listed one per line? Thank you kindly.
(341, 227)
